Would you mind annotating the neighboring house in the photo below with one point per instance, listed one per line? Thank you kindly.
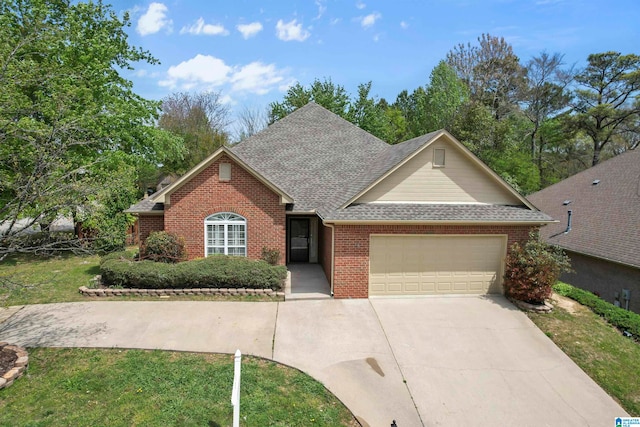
(603, 241)
(421, 217)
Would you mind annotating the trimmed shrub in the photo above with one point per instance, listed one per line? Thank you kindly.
(162, 246)
(531, 270)
(619, 317)
(217, 271)
(272, 256)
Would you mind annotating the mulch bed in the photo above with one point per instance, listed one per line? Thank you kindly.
(7, 360)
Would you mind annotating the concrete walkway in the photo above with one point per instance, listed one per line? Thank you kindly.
(431, 361)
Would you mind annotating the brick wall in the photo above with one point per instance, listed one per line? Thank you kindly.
(351, 276)
(204, 195)
(147, 224)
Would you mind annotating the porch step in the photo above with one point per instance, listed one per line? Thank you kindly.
(306, 296)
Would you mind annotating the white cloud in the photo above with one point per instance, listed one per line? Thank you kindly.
(199, 70)
(257, 78)
(249, 30)
(207, 72)
(404, 25)
(291, 31)
(322, 8)
(199, 27)
(154, 20)
(370, 19)
(335, 21)
(360, 5)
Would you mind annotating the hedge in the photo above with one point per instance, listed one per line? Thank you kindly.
(619, 317)
(217, 271)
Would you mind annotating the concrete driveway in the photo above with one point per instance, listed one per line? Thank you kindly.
(432, 361)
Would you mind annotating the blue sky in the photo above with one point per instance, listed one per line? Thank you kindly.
(251, 52)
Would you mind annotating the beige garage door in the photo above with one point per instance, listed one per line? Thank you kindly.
(435, 264)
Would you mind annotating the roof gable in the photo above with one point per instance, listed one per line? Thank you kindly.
(164, 196)
(314, 155)
(605, 215)
(408, 175)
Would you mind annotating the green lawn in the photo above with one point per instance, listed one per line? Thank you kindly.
(612, 360)
(92, 387)
(33, 280)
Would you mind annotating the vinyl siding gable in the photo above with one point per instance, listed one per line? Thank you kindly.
(460, 180)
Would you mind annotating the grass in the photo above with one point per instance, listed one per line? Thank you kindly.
(89, 387)
(612, 360)
(36, 280)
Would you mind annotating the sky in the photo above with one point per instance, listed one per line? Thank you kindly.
(251, 52)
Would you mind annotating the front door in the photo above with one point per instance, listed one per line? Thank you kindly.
(299, 240)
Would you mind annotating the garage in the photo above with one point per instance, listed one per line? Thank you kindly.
(436, 264)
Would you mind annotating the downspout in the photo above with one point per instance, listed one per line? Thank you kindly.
(333, 247)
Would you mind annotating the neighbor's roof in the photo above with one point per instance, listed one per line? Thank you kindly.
(606, 215)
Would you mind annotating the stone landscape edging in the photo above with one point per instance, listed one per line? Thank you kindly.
(111, 292)
(19, 366)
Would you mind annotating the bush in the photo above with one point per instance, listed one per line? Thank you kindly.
(272, 256)
(619, 317)
(122, 255)
(162, 246)
(217, 271)
(532, 270)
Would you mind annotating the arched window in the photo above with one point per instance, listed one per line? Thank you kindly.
(225, 233)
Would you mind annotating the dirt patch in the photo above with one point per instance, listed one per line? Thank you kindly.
(565, 303)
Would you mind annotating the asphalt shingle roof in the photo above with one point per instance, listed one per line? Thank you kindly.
(313, 155)
(323, 161)
(606, 216)
(146, 205)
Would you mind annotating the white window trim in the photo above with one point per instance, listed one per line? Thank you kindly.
(226, 219)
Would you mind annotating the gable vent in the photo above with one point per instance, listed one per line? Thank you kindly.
(225, 172)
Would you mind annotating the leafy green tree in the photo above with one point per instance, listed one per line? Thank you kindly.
(604, 101)
(67, 115)
(200, 119)
(445, 95)
(323, 92)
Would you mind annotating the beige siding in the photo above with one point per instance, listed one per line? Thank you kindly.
(427, 265)
(459, 181)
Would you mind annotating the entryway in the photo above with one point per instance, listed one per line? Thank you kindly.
(308, 282)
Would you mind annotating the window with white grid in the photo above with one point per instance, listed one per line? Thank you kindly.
(225, 233)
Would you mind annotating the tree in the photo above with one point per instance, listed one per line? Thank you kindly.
(445, 95)
(325, 93)
(544, 98)
(249, 122)
(200, 120)
(491, 71)
(604, 101)
(68, 120)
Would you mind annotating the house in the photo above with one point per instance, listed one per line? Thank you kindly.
(602, 237)
(421, 217)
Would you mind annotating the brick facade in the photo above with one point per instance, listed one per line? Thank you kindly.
(147, 224)
(351, 263)
(244, 195)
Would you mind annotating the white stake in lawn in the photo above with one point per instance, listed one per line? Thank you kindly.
(235, 392)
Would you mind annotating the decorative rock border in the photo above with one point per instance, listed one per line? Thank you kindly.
(116, 292)
(19, 366)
